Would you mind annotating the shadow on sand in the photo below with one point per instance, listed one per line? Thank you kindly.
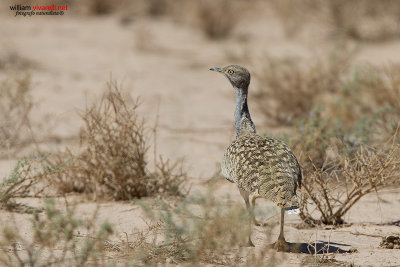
(320, 247)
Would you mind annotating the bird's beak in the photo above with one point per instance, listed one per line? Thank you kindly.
(216, 69)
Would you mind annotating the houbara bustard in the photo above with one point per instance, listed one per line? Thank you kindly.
(261, 167)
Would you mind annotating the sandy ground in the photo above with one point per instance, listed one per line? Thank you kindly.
(167, 64)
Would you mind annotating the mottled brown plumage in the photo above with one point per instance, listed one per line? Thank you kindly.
(261, 167)
(265, 167)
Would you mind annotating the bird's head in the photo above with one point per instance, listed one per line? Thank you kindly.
(237, 75)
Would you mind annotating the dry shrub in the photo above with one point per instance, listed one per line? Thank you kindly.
(199, 230)
(131, 8)
(15, 106)
(324, 260)
(56, 241)
(383, 85)
(158, 7)
(217, 19)
(364, 20)
(103, 7)
(113, 163)
(333, 191)
(11, 60)
(336, 113)
(290, 88)
(338, 149)
(293, 15)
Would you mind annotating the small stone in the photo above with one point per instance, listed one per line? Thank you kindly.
(390, 246)
(397, 246)
(352, 250)
(391, 238)
(168, 260)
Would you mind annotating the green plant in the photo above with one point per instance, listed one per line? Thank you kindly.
(55, 240)
(26, 179)
(320, 139)
(198, 230)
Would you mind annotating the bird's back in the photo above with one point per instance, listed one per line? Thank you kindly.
(264, 166)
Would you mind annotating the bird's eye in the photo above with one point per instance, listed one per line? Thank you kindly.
(230, 72)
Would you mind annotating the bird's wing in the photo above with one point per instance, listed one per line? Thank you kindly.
(280, 172)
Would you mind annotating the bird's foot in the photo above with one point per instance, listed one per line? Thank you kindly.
(281, 245)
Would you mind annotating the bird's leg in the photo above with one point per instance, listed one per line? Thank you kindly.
(250, 208)
(245, 196)
(253, 206)
(281, 244)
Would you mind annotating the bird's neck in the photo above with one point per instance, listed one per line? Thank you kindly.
(242, 110)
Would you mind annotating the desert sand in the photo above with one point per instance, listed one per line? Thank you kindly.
(166, 64)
